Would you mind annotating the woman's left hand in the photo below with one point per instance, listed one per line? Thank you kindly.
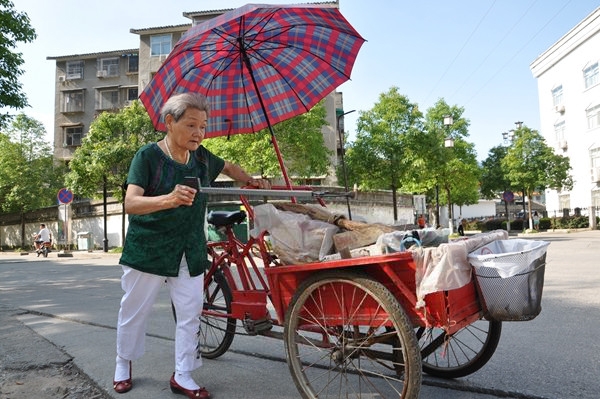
(259, 183)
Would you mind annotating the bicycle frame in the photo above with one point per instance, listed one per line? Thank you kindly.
(249, 288)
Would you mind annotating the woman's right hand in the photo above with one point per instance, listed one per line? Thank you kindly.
(182, 195)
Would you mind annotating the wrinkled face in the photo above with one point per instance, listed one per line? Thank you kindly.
(188, 131)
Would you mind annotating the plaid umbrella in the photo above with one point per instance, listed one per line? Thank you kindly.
(258, 65)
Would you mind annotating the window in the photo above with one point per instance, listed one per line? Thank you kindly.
(596, 199)
(590, 75)
(564, 201)
(108, 67)
(160, 45)
(132, 94)
(593, 116)
(559, 131)
(73, 135)
(107, 99)
(133, 63)
(595, 157)
(74, 69)
(595, 162)
(72, 101)
(557, 95)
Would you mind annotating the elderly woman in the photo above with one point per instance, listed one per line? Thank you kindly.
(166, 240)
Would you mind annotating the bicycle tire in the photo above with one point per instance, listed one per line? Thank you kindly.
(216, 332)
(461, 353)
(354, 358)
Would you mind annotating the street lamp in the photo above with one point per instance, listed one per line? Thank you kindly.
(342, 150)
(508, 137)
(449, 143)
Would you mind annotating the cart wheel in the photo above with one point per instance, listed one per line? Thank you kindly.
(45, 252)
(460, 354)
(339, 343)
(216, 331)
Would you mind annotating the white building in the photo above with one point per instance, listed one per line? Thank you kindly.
(569, 96)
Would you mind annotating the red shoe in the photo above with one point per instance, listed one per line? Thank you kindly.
(201, 393)
(125, 385)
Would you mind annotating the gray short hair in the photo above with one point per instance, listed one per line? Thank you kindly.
(177, 104)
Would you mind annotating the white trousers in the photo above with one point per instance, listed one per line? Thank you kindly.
(141, 290)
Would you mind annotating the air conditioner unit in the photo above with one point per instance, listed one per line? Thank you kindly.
(101, 74)
(563, 144)
(560, 109)
(61, 79)
(127, 103)
(595, 175)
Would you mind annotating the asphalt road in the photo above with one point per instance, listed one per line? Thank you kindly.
(72, 303)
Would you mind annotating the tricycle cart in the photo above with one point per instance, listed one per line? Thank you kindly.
(350, 326)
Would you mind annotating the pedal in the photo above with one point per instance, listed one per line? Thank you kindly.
(255, 327)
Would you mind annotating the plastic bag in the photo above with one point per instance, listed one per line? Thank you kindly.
(509, 257)
(296, 238)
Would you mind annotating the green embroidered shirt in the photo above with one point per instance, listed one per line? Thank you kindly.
(156, 242)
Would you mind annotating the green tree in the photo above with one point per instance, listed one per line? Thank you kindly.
(15, 28)
(494, 179)
(378, 158)
(532, 165)
(449, 175)
(29, 179)
(300, 142)
(100, 165)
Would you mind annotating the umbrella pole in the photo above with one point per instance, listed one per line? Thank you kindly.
(286, 178)
(288, 183)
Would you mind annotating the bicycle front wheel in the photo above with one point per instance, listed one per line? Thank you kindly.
(346, 336)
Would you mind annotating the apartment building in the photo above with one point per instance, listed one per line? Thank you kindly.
(91, 83)
(568, 76)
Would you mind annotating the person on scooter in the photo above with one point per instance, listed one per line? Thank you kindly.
(44, 235)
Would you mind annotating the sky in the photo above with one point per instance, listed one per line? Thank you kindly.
(472, 53)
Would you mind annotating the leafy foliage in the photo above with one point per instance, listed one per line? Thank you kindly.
(397, 148)
(107, 150)
(29, 179)
(532, 165)
(493, 177)
(15, 28)
(300, 141)
(454, 169)
(378, 157)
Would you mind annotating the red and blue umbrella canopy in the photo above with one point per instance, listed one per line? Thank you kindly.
(258, 65)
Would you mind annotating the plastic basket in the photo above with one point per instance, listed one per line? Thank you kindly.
(509, 275)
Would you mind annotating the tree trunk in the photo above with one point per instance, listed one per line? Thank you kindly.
(507, 215)
(104, 207)
(450, 217)
(23, 230)
(529, 211)
(395, 203)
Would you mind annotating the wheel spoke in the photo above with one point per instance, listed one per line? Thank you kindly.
(340, 344)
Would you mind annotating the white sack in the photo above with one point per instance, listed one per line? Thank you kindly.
(296, 238)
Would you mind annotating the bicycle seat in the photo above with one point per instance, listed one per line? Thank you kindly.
(225, 218)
